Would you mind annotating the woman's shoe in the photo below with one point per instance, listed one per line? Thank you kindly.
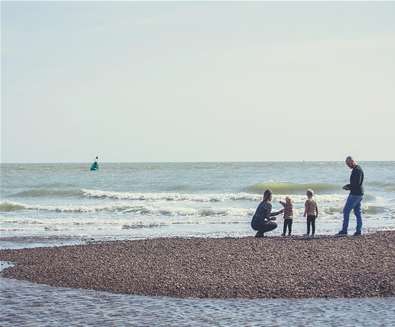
(259, 234)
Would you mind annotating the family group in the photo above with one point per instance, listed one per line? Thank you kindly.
(263, 219)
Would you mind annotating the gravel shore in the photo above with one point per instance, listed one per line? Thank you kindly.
(271, 267)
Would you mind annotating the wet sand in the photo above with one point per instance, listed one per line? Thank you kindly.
(272, 267)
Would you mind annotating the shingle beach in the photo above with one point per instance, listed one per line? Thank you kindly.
(270, 267)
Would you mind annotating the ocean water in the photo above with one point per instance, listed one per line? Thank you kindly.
(52, 204)
(28, 304)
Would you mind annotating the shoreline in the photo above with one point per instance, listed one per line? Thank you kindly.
(272, 267)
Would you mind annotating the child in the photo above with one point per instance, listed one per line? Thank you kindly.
(288, 214)
(311, 212)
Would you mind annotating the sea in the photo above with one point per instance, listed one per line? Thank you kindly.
(63, 204)
(52, 204)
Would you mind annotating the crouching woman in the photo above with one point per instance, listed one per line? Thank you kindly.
(262, 221)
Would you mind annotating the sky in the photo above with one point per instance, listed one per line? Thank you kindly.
(208, 81)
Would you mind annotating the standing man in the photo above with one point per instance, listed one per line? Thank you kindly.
(355, 197)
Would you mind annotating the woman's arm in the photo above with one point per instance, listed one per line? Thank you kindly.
(316, 210)
(268, 211)
(276, 213)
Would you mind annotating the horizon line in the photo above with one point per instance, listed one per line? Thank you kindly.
(185, 162)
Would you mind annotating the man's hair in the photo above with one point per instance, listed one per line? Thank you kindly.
(349, 158)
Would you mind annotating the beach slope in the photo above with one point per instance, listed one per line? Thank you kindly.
(270, 267)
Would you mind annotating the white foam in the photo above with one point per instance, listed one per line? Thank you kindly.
(210, 197)
(127, 207)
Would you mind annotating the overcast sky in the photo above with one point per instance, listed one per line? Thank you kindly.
(197, 81)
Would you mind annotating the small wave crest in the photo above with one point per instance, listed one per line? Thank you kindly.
(291, 188)
(141, 225)
(384, 186)
(10, 206)
(374, 210)
(368, 210)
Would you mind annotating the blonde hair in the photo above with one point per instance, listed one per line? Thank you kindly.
(310, 193)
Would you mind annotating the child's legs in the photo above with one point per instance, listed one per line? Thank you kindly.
(289, 226)
(312, 225)
(285, 226)
(310, 222)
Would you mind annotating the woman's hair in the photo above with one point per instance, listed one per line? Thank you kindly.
(267, 194)
(310, 193)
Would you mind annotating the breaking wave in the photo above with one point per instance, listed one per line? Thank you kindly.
(169, 196)
(251, 193)
(129, 208)
(160, 196)
(11, 206)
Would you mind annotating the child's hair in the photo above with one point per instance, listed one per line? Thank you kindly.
(287, 198)
(309, 193)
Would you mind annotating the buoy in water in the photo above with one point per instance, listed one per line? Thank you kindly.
(95, 165)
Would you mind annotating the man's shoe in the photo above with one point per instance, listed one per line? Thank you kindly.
(341, 233)
(357, 234)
